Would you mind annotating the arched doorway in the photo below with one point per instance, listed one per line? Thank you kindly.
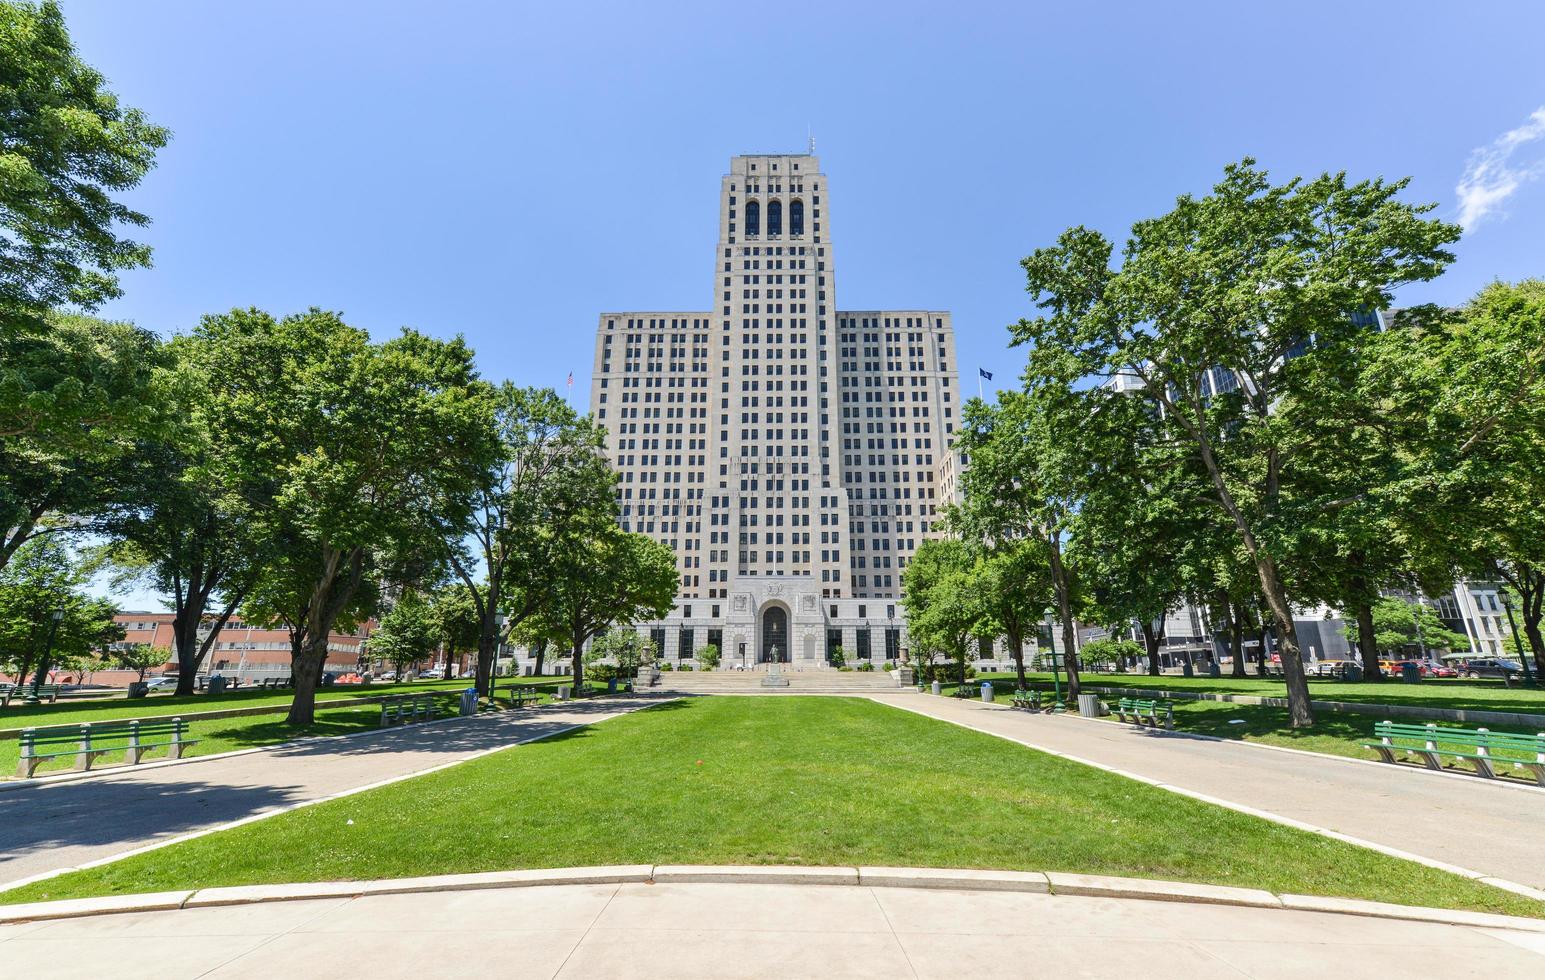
(775, 635)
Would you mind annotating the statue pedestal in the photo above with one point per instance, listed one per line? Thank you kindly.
(774, 676)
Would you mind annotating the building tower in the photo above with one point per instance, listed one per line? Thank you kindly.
(787, 452)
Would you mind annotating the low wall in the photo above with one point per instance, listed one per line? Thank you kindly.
(1463, 715)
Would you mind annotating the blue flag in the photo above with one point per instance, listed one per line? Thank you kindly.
(985, 374)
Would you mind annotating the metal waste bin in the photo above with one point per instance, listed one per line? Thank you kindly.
(937, 687)
(1212, 669)
(217, 685)
(469, 702)
(1089, 705)
(1187, 670)
(1410, 673)
(1351, 672)
(987, 691)
(563, 692)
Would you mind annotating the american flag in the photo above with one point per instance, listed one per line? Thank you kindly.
(571, 379)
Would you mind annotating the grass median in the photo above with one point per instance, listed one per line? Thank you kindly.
(813, 781)
(216, 735)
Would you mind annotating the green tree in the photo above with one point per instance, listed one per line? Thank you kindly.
(1016, 590)
(606, 577)
(1402, 628)
(1022, 483)
(626, 649)
(838, 657)
(1098, 653)
(708, 657)
(177, 528)
(1231, 286)
(69, 146)
(543, 479)
(62, 466)
(355, 454)
(456, 622)
(42, 580)
(942, 590)
(406, 634)
(138, 657)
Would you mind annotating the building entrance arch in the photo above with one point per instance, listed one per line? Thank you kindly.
(775, 635)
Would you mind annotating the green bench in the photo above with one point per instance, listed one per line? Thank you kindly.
(86, 742)
(1036, 701)
(522, 696)
(46, 692)
(1474, 745)
(406, 709)
(1139, 709)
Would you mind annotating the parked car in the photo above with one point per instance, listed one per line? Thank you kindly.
(389, 675)
(161, 684)
(1436, 668)
(1509, 670)
(1331, 668)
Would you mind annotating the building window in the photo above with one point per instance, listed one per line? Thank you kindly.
(753, 218)
(657, 637)
(863, 643)
(892, 643)
(684, 645)
(833, 643)
(796, 217)
(774, 218)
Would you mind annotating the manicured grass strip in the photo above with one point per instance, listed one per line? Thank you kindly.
(820, 781)
(249, 731)
(168, 706)
(1475, 695)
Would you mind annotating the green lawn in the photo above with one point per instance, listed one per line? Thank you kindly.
(19, 715)
(821, 781)
(247, 731)
(1475, 695)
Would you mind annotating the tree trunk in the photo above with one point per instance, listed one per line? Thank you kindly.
(1367, 643)
(579, 661)
(1299, 710)
(486, 644)
(541, 654)
(185, 639)
(1019, 656)
(1236, 626)
(448, 650)
(306, 668)
(1059, 578)
(1151, 644)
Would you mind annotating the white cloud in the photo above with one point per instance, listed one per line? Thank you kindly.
(1492, 175)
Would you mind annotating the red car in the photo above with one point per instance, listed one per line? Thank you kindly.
(1435, 669)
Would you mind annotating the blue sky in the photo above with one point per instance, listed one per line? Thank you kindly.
(507, 170)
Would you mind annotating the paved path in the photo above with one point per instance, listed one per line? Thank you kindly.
(45, 827)
(1461, 821)
(755, 930)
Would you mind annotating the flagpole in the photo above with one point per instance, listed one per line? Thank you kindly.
(979, 386)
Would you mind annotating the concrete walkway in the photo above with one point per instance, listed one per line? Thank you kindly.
(1471, 823)
(44, 827)
(755, 930)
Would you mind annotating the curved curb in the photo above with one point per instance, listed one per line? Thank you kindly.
(960, 879)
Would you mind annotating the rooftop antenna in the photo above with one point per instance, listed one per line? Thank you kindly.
(812, 140)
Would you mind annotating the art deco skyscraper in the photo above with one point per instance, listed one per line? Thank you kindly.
(788, 452)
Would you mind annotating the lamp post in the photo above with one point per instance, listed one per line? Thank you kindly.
(48, 649)
(1051, 641)
(1518, 644)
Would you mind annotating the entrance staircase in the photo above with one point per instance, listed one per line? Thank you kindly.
(812, 681)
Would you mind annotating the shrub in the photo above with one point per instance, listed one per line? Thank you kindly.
(846, 670)
(837, 657)
(600, 672)
(667, 666)
(686, 667)
(866, 667)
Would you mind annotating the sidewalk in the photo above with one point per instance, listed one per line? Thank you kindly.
(45, 827)
(1471, 823)
(755, 930)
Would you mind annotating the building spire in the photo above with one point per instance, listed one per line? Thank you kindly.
(811, 138)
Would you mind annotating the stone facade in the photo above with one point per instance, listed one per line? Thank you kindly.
(788, 452)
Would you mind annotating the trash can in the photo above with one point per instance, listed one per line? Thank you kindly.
(1410, 673)
(987, 691)
(469, 702)
(1186, 670)
(1352, 672)
(611, 685)
(138, 689)
(1212, 669)
(217, 685)
(936, 687)
(563, 692)
(1089, 705)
